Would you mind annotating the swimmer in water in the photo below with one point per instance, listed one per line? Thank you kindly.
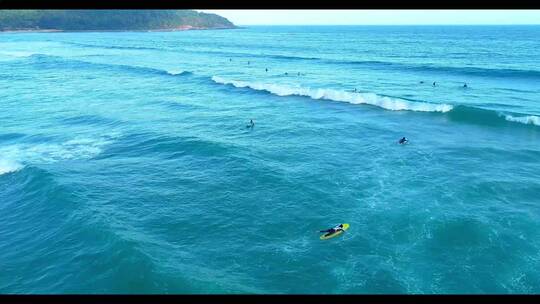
(403, 141)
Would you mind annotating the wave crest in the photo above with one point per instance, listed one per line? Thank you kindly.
(385, 102)
(528, 120)
(76, 63)
(176, 72)
(7, 166)
(18, 54)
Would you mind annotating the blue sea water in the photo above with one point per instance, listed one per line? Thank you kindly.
(126, 165)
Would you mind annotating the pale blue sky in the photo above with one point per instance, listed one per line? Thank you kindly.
(378, 17)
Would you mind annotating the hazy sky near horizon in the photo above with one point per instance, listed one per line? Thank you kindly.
(378, 17)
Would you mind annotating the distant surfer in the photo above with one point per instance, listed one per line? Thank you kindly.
(251, 124)
(465, 85)
(421, 81)
(266, 70)
(403, 141)
(354, 91)
(434, 83)
(333, 230)
(286, 73)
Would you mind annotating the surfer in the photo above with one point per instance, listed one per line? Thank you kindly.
(434, 83)
(421, 81)
(286, 73)
(266, 70)
(333, 230)
(251, 124)
(403, 140)
(465, 85)
(354, 91)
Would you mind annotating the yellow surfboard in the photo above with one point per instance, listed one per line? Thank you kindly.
(345, 227)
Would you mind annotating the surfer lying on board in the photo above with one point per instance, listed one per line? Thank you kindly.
(333, 230)
(403, 140)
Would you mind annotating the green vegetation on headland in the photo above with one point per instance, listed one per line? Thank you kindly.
(109, 20)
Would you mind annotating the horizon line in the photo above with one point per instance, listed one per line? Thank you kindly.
(434, 24)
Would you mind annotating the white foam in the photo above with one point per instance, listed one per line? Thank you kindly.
(17, 53)
(174, 72)
(77, 148)
(389, 103)
(532, 120)
(7, 166)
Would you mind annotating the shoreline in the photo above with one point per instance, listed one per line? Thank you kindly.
(179, 29)
(29, 31)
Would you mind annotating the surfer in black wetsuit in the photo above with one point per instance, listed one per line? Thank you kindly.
(403, 140)
(434, 83)
(251, 124)
(465, 85)
(422, 81)
(333, 230)
(266, 70)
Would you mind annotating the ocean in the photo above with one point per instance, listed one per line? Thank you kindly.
(126, 165)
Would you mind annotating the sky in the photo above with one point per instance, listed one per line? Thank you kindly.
(378, 17)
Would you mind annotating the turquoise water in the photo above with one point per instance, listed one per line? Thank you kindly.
(126, 166)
